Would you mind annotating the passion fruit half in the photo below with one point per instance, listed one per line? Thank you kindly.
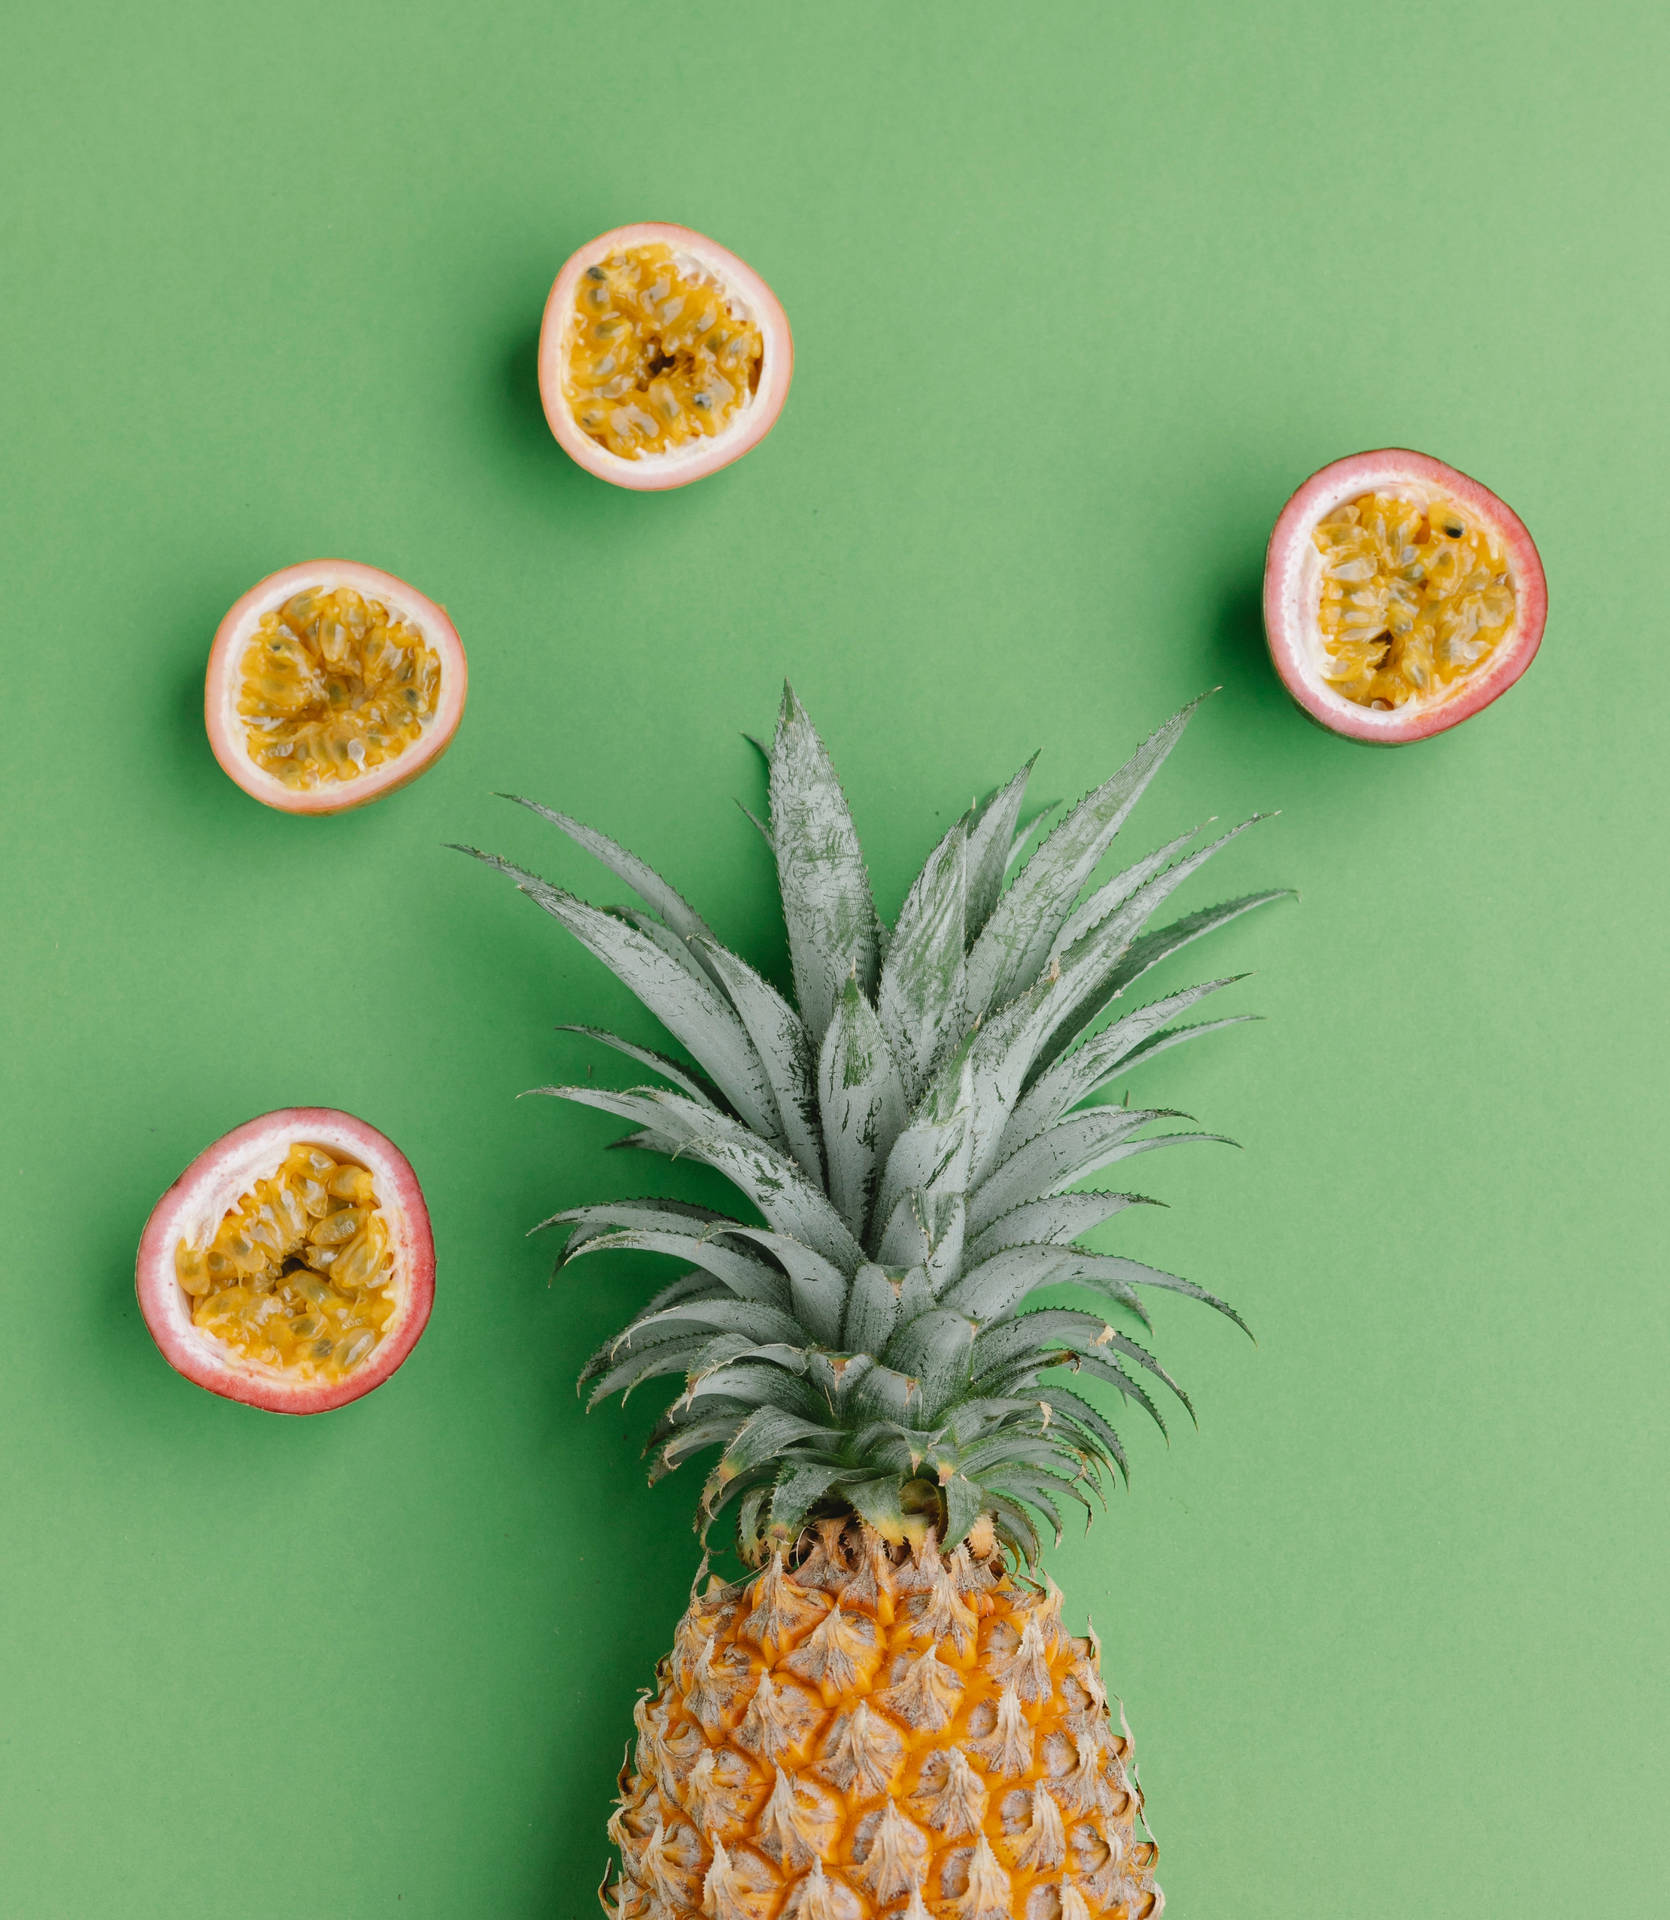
(1400, 597)
(291, 1265)
(662, 356)
(331, 684)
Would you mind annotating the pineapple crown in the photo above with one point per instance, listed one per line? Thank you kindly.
(909, 1132)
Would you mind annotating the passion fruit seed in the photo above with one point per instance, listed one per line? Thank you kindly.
(658, 354)
(333, 685)
(1414, 598)
(260, 1285)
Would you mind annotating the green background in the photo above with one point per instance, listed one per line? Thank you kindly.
(1079, 294)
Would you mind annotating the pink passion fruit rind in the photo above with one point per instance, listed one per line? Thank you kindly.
(211, 1186)
(1292, 588)
(229, 728)
(753, 420)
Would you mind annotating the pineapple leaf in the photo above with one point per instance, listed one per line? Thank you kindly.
(1134, 1273)
(1078, 1074)
(926, 1230)
(789, 1201)
(945, 1223)
(921, 985)
(1061, 1154)
(1048, 1330)
(1094, 965)
(1176, 1036)
(833, 930)
(767, 1434)
(645, 882)
(1122, 1344)
(1042, 1490)
(654, 1213)
(1151, 948)
(629, 1342)
(753, 1318)
(1015, 942)
(994, 1289)
(669, 1357)
(872, 1310)
(1015, 1447)
(861, 1096)
(756, 823)
(746, 1277)
(817, 1287)
(1096, 1367)
(991, 836)
(750, 1515)
(997, 1058)
(715, 1431)
(799, 1487)
(1024, 835)
(1064, 1404)
(687, 1080)
(931, 1154)
(785, 1050)
(965, 1500)
(1052, 1221)
(751, 1383)
(934, 1349)
(1104, 1274)
(883, 1393)
(1014, 1525)
(686, 1005)
(1115, 892)
(876, 1501)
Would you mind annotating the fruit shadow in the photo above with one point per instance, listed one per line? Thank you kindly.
(518, 393)
(1239, 657)
(176, 717)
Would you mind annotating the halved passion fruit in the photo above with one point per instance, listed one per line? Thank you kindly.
(331, 684)
(291, 1265)
(662, 356)
(1400, 596)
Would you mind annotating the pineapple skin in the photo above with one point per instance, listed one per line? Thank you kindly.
(875, 1731)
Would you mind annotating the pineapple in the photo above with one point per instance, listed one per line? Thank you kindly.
(888, 1716)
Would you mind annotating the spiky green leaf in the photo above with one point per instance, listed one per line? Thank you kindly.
(784, 1048)
(861, 1096)
(1015, 942)
(991, 836)
(686, 1004)
(921, 988)
(1052, 1221)
(872, 1309)
(645, 882)
(686, 1079)
(1066, 1152)
(833, 931)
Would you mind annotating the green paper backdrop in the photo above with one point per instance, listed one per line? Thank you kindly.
(1080, 293)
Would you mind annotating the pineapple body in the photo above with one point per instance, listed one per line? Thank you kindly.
(880, 1732)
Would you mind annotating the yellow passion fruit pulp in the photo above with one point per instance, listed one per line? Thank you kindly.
(296, 1274)
(332, 685)
(657, 356)
(1414, 598)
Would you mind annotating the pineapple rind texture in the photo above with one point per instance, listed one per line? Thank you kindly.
(908, 1135)
(877, 1731)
